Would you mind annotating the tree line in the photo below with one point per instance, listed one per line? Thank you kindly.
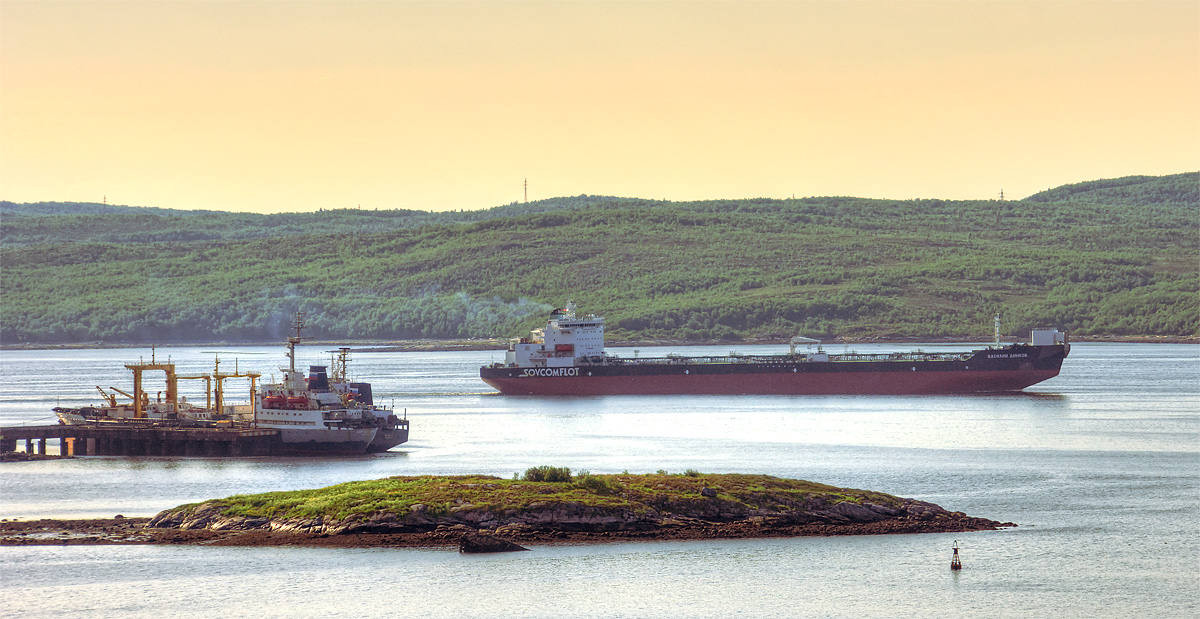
(704, 270)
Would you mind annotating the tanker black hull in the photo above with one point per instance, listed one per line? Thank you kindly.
(991, 370)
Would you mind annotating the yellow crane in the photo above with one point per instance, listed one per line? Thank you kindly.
(214, 387)
(109, 398)
(218, 393)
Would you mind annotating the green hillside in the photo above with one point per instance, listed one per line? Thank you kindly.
(88, 222)
(1175, 190)
(1088, 260)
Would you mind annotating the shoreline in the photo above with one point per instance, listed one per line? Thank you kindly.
(499, 344)
(133, 531)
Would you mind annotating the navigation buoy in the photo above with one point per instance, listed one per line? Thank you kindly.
(955, 562)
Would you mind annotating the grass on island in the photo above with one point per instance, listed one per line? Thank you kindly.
(539, 488)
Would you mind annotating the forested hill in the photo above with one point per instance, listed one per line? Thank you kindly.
(89, 222)
(1175, 190)
(1089, 260)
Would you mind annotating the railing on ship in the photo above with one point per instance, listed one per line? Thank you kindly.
(850, 357)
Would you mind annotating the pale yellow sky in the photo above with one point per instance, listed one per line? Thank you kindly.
(295, 106)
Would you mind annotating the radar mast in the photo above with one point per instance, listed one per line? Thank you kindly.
(298, 325)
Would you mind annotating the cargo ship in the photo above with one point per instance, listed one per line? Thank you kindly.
(323, 413)
(567, 357)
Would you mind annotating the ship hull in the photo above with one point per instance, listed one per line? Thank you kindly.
(387, 438)
(992, 370)
(339, 441)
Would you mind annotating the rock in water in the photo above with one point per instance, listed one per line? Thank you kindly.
(482, 542)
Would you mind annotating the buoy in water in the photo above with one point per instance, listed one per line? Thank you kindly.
(955, 562)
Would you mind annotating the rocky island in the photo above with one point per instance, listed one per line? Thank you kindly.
(547, 505)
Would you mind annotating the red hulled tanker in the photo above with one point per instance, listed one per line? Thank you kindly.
(567, 357)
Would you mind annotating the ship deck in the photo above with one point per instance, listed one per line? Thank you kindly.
(850, 357)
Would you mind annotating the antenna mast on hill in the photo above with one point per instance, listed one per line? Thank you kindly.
(527, 191)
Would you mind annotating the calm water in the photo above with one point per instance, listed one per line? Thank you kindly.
(1100, 467)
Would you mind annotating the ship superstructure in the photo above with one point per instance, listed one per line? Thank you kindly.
(565, 339)
(315, 413)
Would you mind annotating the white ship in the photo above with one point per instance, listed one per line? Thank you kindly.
(324, 413)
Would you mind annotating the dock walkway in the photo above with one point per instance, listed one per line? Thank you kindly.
(104, 439)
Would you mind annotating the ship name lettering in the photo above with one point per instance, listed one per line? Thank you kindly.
(550, 372)
(1010, 356)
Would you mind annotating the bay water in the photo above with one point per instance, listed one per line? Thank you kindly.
(1099, 467)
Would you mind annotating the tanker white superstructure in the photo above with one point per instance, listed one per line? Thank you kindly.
(564, 339)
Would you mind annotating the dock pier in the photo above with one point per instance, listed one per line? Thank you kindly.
(148, 440)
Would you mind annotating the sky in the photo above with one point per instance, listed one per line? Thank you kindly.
(283, 105)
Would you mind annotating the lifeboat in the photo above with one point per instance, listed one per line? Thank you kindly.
(274, 401)
(298, 401)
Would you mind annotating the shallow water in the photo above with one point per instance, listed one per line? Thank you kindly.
(1100, 467)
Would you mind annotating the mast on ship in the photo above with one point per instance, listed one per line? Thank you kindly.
(341, 358)
(297, 324)
(997, 329)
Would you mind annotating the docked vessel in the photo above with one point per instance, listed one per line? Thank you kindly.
(567, 357)
(322, 413)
